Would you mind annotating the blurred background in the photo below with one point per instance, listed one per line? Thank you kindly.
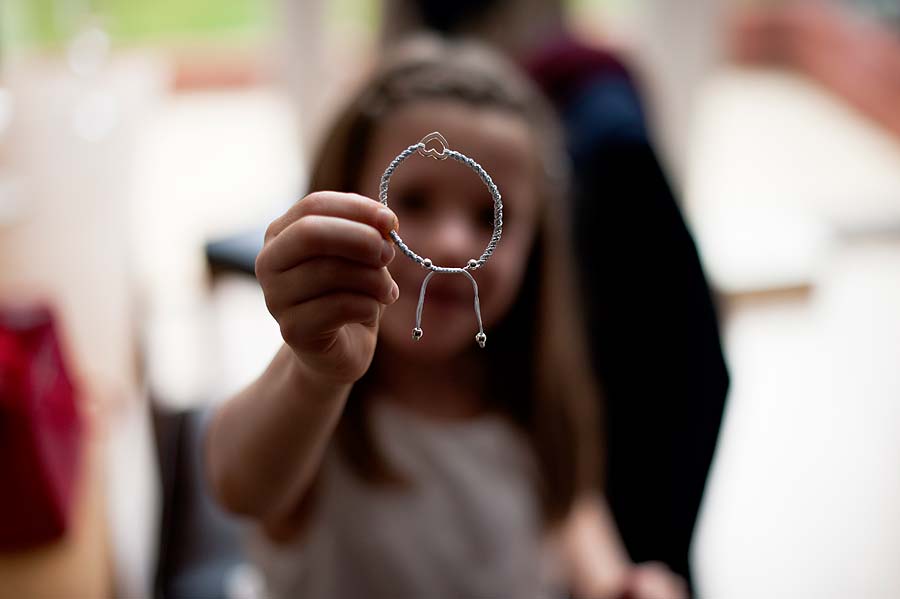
(136, 134)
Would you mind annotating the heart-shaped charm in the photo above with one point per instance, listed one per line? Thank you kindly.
(432, 152)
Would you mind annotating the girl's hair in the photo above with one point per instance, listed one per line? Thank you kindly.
(537, 360)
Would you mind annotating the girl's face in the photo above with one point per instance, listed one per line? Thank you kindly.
(446, 214)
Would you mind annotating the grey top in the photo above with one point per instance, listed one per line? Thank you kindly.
(468, 527)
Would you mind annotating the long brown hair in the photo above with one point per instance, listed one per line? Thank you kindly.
(557, 406)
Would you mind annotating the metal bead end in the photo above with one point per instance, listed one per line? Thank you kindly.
(417, 334)
(473, 263)
(427, 263)
(481, 338)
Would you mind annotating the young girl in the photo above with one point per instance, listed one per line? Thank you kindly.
(377, 466)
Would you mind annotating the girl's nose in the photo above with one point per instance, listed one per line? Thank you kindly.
(454, 241)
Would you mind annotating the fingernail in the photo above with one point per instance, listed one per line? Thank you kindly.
(387, 221)
(395, 292)
(387, 251)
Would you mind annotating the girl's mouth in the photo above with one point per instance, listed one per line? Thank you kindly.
(447, 295)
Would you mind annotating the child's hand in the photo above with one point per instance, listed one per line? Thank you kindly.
(322, 270)
(653, 580)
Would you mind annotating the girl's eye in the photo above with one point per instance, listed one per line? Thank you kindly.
(486, 218)
(411, 203)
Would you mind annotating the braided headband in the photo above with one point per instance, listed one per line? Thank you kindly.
(444, 153)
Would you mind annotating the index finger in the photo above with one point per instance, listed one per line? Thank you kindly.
(350, 206)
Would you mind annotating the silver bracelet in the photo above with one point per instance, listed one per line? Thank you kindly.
(473, 264)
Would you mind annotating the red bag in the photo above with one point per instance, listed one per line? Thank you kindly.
(40, 430)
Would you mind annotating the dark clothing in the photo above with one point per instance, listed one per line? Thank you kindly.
(652, 324)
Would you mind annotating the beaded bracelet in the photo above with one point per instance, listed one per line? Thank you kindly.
(473, 264)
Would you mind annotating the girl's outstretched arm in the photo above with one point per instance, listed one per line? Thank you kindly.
(323, 272)
(264, 446)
